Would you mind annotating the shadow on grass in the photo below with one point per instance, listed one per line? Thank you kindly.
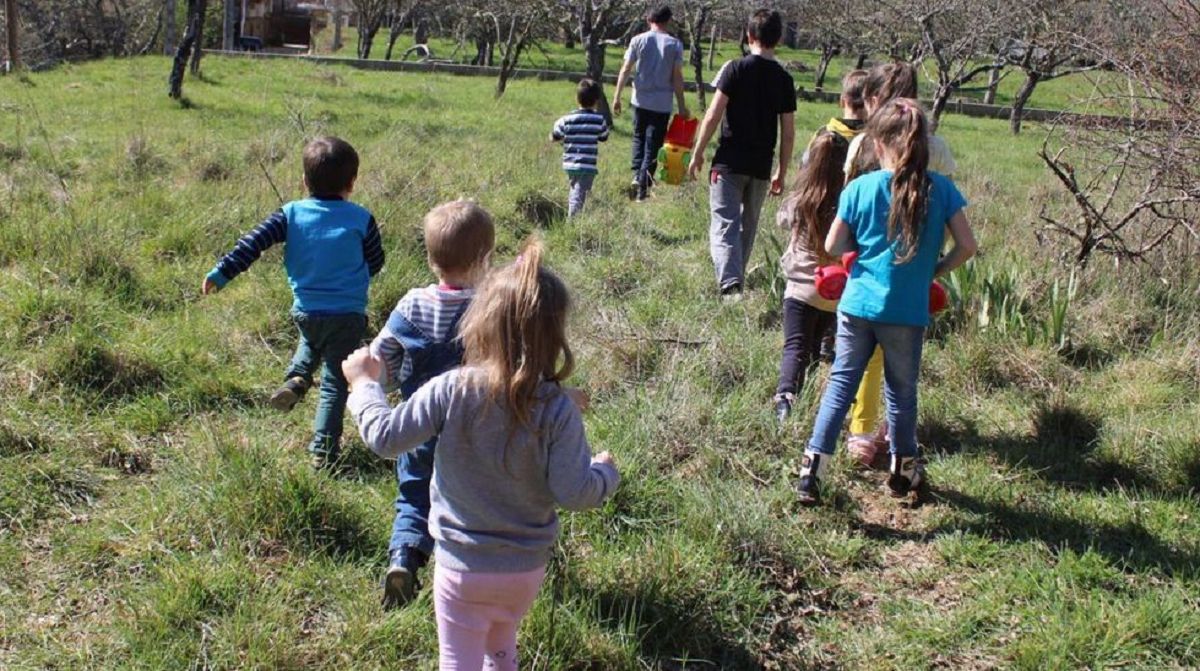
(1060, 449)
(1128, 544)
(670, 628)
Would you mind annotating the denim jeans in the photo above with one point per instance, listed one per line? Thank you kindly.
(414, 472)
(856, 341)
(328, 338)
(649, 131)
(581, 184)
(736, 202)
(803, 328)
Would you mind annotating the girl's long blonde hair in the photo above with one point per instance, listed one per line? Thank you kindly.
(514, 333)
(901, 127)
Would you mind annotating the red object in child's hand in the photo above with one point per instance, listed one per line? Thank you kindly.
(848, 259)
(831, 281)
(938, 298)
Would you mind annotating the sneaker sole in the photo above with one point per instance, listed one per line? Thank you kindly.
(284, 400)
(399, 588)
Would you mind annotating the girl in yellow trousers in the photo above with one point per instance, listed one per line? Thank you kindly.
(868, 433)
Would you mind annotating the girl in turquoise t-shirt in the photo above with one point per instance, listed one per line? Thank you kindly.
(896, 218)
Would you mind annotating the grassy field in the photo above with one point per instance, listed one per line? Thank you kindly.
(155, 514)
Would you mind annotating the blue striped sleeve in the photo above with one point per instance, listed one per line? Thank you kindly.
(272, 231)
(373, 248)
(557, 132)
(603, 136)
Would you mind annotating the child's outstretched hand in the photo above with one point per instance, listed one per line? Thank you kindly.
(362, 367)
(604, 458)
(580, 397)
(208, 287)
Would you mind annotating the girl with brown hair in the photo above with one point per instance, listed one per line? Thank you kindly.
(807, 213)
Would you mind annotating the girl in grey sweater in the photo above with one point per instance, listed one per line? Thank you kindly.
(511, 448)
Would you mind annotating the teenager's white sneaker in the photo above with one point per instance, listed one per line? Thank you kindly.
(812, 469)
(905, 475)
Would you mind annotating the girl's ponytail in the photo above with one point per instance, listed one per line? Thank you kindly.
(514, 333)
(902, 128)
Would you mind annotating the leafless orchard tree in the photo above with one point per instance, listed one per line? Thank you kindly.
(1047, 43)
(371, 14)
(400, 14)
(595, 23)
(953, 34)
(1135, 188)
(191, 42)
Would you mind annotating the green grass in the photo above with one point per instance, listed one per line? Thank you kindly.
(154, 514)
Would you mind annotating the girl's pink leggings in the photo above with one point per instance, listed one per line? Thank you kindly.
(478, 615)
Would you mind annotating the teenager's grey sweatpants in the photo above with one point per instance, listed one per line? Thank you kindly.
(735, 201)
(581, 184)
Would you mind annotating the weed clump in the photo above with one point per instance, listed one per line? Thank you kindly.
(140, 159)
(539, 210)
(86, 364)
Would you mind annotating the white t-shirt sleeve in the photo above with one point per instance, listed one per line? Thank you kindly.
(940, 158)
(852, 152)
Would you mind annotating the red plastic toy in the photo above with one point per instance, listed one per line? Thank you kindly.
(682, 132)
(938, 298)
(831, 282)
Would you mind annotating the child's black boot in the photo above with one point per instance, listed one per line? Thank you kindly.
(400, 585)
(906, 475)
(812, 470)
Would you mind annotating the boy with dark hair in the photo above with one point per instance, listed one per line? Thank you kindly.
(332, 249)
(754, 104)
(657, 57)
(418, 343)
(581, 133)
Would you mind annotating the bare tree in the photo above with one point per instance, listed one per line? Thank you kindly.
(597, 22)
(401, 12)
(954, 33)
(1135, 187)
(190, 41)
(370, 18)
(834, 27)
(1048, 45)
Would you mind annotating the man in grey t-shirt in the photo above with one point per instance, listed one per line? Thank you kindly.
(658, 59)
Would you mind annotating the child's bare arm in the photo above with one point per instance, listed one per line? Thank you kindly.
(838, 241)
(708, 126)
(964, 245)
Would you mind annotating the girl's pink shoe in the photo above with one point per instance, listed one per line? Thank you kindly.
(862, 447)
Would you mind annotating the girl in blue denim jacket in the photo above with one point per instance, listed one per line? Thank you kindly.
(896, 218)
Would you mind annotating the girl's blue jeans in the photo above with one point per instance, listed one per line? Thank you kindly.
(856, 341)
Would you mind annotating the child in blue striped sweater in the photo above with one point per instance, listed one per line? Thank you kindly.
(581, 133)
(332, 249)
(419, 342)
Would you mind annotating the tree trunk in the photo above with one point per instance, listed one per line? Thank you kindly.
(1022, 98)
(394, 32)
(229, 32)
(827, 53)
(337, 27)
(861, 62)
(485, 52)
(989, 97)
(12, 31)
(366, 36)
(940, 98)
(169, 28)
(194, 17)
(696, 51)
(198, 40)
(712, 47)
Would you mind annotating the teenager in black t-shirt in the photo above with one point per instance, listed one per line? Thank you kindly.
(755, 103)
